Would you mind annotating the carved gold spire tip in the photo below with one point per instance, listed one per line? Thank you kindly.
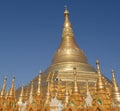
(75, 80)
(113, 73)
(100, 82)
(98, 66)
(31, 90)
(66, 12)
(12, 89)
(21, 94)
(114, 80)
(39, 84)
(115, 91)
(2, 93)
(113, 76)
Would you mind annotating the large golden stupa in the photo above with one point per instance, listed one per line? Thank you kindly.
(69, 55)
(70, 83)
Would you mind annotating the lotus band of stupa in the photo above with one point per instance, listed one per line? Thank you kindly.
(70, 83)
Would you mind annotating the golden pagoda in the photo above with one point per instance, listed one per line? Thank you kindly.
(115, 91)
(70, 83)
(2, 94)
(102, 100)
(69, 55)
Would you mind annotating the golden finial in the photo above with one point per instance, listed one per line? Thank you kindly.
(47, 95)
(98, 66)
(67, 24)
(66, 12)
(2, 93)
(31, 88)
(39, 84)
(21, 94)
(27, 93)
(75, 80)
(12, 89)
(115, 85)
(31, 93)
(100, 83)
(66, 95)
(67, 28)
(116, 91)
(48, 90)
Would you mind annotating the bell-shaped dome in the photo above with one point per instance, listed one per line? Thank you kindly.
(69, 55)
(68, 50)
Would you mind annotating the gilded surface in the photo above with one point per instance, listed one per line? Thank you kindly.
(68, 84)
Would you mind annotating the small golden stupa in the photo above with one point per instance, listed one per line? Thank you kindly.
(70, 83)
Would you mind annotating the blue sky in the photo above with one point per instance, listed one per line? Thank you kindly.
(30, 33)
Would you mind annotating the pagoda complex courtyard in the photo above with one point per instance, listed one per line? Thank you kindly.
(70, 83)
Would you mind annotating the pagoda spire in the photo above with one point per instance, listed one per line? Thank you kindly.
(116, 91)
(21, 94)
(67, 27)
(100, 83)
(31, 89)
(68, 48)
(101, 97)
(48, 90)
(31, 93)
(75, 81)
(88, 99)
(12, 89)
(39, 84)
(2, 93)
(78, 101)
(66, 96)
(115, 85)
(27, 93)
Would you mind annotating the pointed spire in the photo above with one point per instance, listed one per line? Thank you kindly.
(12, 89)
(75, 81)
(27, 93)
(100, 83)
(48, 94)
(88, 98)
(39, 84)
(68, 50)
(66, 96)
(31, 93)
(21, 94)
(48, 90)
(67, 28)
(116, 91)
(2, 93)
(98, 66)
(115, 85)
(31, 88)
